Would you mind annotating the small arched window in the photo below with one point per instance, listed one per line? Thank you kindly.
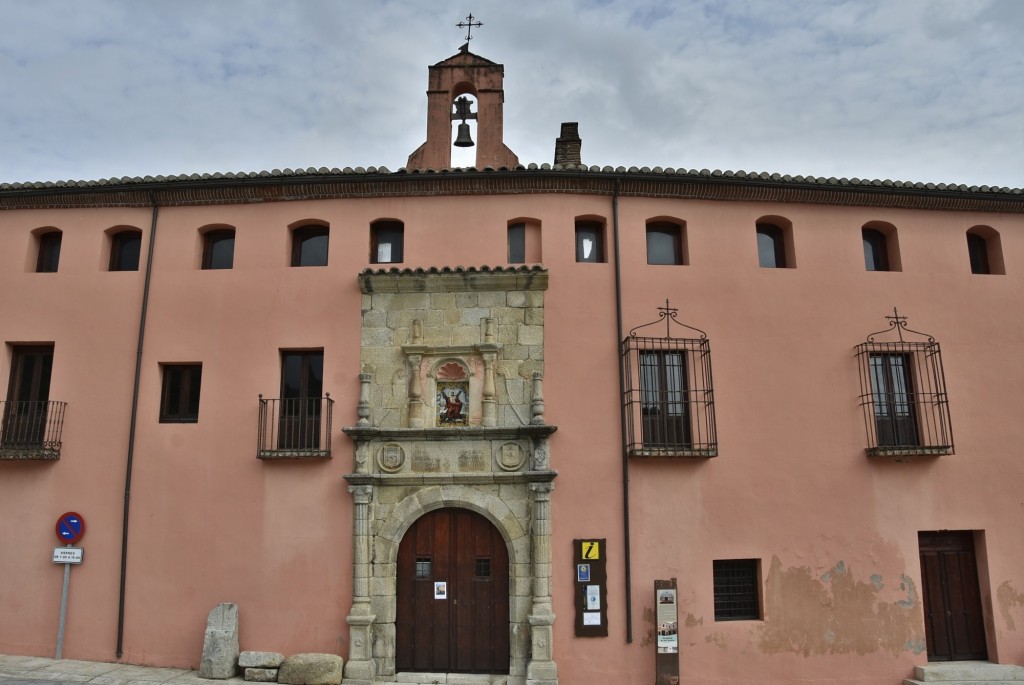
(985, 250)
(49, 252)
(219, 248)
(387, 242)
(589, 241)
(125, 247)
(665, 243)
(309, 246)
(876, 250)
(771, 247)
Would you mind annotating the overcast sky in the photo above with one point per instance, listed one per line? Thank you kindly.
(919, 90)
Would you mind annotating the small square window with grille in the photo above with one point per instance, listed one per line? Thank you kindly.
(736, 590)
(423, 567)
(483, 568)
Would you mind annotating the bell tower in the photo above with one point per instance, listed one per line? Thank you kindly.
(464, 74)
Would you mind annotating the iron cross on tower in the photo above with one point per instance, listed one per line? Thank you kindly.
(469, 25)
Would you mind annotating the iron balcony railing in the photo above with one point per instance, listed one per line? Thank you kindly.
(295, 428)
(31, 430)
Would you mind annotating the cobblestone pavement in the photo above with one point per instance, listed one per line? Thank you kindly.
(34, 670)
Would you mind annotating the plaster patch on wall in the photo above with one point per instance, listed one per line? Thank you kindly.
(718, 639)
(876, 581)
(693, 621)
(835, 613)
(649, 638)
(1008, 598)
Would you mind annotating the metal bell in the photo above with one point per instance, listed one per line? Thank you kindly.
(463, 139)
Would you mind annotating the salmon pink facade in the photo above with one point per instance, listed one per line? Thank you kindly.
(835, 496)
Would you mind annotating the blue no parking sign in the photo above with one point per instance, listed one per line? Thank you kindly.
(70, 528)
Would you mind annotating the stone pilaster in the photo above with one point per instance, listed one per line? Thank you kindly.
(541, 670)
(360, 665)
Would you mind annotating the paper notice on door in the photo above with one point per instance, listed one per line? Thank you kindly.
(441, 590)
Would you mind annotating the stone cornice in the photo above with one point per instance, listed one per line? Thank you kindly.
(323, 184)
(424, 479)
(366, 433)
(450, 280)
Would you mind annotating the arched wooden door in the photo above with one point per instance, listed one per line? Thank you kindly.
(452, 595)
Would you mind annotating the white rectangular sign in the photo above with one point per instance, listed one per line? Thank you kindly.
(68, 555)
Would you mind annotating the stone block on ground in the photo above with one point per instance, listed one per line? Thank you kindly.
(220, 643)
(311, 669)
(251, 659)
(261, 675)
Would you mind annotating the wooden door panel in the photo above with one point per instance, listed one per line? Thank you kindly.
(468, 631)
(954, 623)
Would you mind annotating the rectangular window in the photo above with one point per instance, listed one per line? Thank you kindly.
(124, 251)
(589, 241)
(49, 252)
(663, 399)
(387, 240)
(219, 249)
(309, 246)
(736, 590)
(664, 243)
(422, 567)
(179, 399)
(517, 244)
(892, 393)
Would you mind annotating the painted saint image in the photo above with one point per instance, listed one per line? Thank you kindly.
(452, 404)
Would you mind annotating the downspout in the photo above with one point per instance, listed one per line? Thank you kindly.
(131, 429)
(622, 418)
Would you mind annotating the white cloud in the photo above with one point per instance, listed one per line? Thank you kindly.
(925, 90)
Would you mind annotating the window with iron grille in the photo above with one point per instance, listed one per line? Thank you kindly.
(669, 403)
(903, 392)
(736, 589)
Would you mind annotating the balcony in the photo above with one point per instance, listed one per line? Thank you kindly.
(295, 428)
(31, 430)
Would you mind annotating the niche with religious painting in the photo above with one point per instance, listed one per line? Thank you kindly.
(451, 402)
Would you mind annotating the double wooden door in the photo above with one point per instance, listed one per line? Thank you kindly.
(453, 599)
(954, 624)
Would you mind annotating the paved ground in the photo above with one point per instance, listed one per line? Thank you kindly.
(34, 670)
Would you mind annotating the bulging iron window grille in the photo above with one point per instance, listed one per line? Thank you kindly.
(669, 398)
(903, 392)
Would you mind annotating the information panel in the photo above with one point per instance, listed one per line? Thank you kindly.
(666, 614)
(591, 582)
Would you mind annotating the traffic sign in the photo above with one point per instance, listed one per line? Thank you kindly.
(70, 528)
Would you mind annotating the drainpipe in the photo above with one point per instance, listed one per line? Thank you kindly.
(131, 429)
(622, 417)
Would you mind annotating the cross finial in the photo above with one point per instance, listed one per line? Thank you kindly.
(469, 25)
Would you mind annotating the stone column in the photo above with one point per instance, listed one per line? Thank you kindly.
(415, 392)
(537, 400)
(363, 408)
(489, 410)
(541, 669)
(360, 665)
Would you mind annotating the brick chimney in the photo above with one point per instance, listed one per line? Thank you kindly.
(567, 145)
